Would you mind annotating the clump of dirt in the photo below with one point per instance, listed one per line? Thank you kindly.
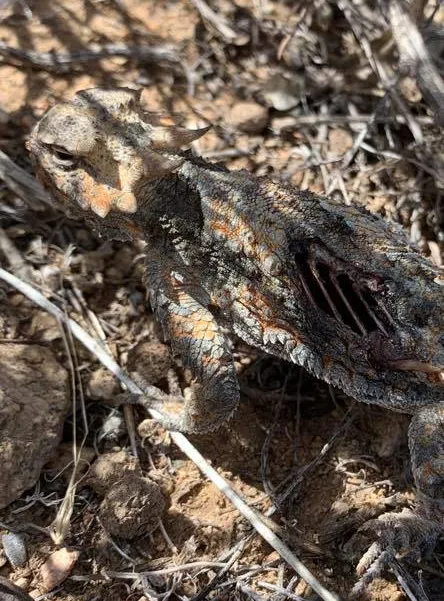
(152, 359)
(132, 507)
(109, 468)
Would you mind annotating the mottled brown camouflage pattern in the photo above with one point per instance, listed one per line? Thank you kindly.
(332, 288)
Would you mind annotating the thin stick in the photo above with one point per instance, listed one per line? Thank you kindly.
(315, 120)
(63, 62)
(181, 441)
(217, 21)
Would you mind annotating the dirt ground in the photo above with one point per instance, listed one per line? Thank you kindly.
(259, 73)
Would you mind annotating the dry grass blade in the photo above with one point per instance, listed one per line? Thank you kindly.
(23, 184)
(60, 525)
(181, 441)
(412, 590)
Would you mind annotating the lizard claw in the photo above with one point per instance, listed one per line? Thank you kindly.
(405, 535)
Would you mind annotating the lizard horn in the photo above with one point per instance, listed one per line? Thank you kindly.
(157, 165)
(173, 137)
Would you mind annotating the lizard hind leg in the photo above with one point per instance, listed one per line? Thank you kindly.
(412, 533)
(426, 442)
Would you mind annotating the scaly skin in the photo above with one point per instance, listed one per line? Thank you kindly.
(332, 288)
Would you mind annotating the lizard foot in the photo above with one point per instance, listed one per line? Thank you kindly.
(405, 535)
(191, 413)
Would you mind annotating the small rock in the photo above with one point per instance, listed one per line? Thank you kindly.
(248, 117)
(339, 141)
(409, 89)
(112, 428)
(44, 328)
(15, 549)
(102, 385)
(132, 507)
(57, 568)
(283, 92)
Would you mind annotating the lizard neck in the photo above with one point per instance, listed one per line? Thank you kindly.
(171, 207)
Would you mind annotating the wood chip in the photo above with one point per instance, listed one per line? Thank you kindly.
(57, 568)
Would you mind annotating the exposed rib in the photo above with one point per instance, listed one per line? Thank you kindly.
(307, 289)
(331, 304)
(372, 314)
(347, 304)
(384, 310)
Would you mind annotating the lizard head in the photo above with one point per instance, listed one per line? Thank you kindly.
(96, 152)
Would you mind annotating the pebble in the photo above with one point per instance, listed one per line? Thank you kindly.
(248, 117)
(15, 549)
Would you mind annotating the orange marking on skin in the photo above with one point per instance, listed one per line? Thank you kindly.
(126, 202)
(101, 198)
(98, 196)
(228, 230)
(209, 359)
(178, 326)
(203, 331)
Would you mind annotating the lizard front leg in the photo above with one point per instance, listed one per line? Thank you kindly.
(181, 307)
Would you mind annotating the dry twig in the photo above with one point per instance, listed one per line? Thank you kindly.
(63, 62)
(413, 54)
(23, 184)
(218, 22)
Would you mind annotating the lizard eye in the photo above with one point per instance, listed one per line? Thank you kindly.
(63, 158)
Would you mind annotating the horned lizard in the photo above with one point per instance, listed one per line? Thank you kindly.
(333, 288)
